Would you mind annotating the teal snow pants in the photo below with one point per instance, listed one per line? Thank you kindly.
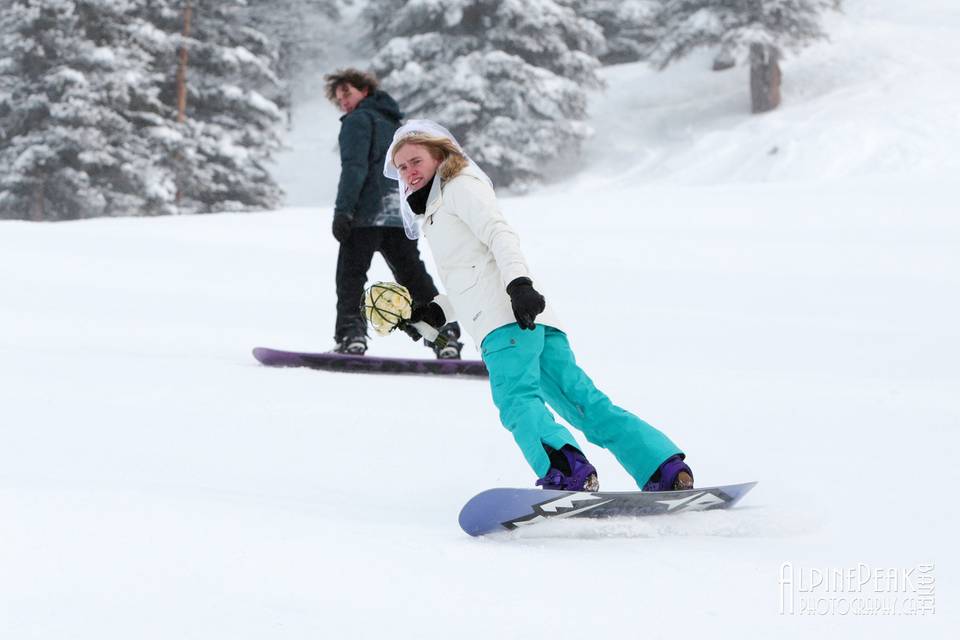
(530, 369)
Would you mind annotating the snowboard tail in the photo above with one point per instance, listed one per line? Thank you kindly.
(508, 509)
(331, 361)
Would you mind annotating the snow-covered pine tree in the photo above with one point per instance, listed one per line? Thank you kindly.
(508, 78)
(80, 116)
(628, 26)
(229, 129)
(302, 31)
(759, 31)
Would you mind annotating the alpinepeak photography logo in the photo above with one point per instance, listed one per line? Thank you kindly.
(860, 590)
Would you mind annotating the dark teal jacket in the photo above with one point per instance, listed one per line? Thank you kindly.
(364, 194)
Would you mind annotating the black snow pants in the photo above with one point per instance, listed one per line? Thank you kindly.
(356, 254)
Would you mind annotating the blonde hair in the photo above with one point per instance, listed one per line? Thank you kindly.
(452, 161)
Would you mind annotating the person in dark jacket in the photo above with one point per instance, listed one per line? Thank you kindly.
(366, 216)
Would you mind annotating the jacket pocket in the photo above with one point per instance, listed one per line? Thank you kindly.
(464, 279)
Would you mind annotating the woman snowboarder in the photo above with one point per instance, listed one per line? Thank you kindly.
(490, 292)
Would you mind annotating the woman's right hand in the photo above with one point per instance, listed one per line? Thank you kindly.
(431, 313)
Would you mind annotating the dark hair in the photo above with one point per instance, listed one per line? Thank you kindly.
(358, 79)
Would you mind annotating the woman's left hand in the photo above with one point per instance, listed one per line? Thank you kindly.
(526, 301)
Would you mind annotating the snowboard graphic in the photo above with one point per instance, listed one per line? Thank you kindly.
(370, 364)
(508, 509)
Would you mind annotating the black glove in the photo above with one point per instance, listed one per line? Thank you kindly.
(526, 301)
(431, 313)
(341, 226)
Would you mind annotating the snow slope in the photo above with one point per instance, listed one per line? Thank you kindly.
(878, 98)
(791, 319)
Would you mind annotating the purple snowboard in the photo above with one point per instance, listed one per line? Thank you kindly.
(369, 364)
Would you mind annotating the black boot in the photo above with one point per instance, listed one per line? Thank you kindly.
(450, 349)
(352, 345)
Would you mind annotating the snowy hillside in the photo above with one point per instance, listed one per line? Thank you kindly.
(786, 317)
(878, 98)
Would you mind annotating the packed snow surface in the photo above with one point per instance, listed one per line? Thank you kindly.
(778, 293)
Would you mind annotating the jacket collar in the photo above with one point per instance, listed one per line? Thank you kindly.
(378, 102)
(435, 199)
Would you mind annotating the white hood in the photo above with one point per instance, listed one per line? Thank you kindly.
(428, 127)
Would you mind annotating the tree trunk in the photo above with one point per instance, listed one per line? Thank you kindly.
(764, 78)
(182, 77)
(182, 65)
(36, 204)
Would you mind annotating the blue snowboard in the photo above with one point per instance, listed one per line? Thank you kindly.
(509, 509)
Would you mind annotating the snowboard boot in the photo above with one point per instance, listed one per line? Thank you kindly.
(449, 348)
(673, 475)
(352, 346)
(569, 471)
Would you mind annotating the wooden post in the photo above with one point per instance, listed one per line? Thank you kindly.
(764, 78)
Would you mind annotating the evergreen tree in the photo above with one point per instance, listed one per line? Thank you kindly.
(80, 115)
(301, 31)
(627, 25)
(755, 30)
(508, 78)
(89, 119)
(228, 129)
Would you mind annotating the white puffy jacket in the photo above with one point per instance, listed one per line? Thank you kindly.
(477, 254)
